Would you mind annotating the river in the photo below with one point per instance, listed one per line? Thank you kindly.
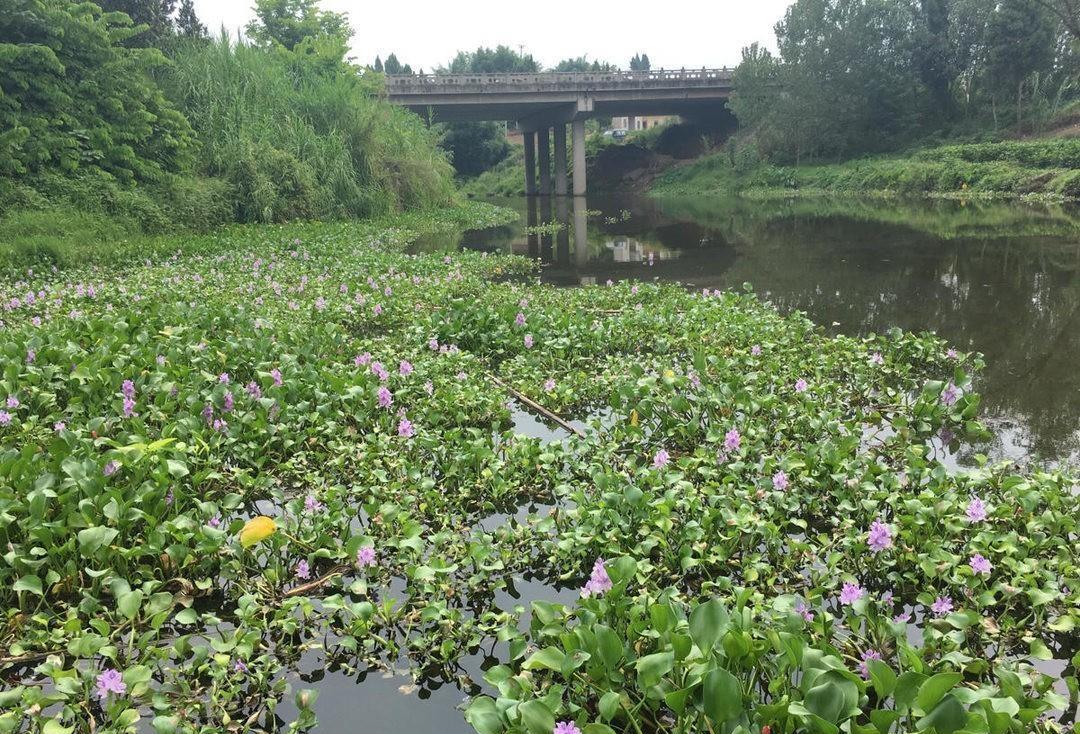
(1000, 278)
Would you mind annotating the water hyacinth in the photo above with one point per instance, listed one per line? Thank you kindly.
(303, 571)
(980, 565)
(405, 428)
(780, 481)
(385, 397)
(110, 682)
(941, 606)
(565, 727)
(851, 593)
(732, 439)
(976, 510)
(599, 582)
(660, 460)
(365, 556)
(867, 656)
(880, 537)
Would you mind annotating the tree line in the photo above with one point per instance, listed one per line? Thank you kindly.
(861, 76)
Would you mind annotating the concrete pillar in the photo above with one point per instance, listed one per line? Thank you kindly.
(532, 238)
(631, 123)
(562, 238)
(581, 232)
(560, 160)
(530, 163)
(579, 156)
(546, 240)
(543, 152)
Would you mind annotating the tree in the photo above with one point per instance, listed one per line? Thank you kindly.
(378, 65)
(407, 70)
(1020, 43)
(392, 65)
(583, 64)
(640, 62)
(501, 59)
(475, 146)
(933, 55)
(155, 15)
(188, 24)
(73, 97)
(1067, 11)
(289, 23)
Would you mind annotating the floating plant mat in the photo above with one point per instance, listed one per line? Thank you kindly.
(237, 466)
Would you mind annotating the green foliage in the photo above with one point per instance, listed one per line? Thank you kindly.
(475, 147)
(491, 61)
(640, 62)
(291, 23)
(581, 64)
(74, 98)
(302, 135)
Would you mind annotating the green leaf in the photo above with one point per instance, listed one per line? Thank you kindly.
(30, 583)
(91, 539)
(651, 668)
(483, 715)
(597, 729)
(883, 678)
(53, 726)
(708, 622)
(551, 658)
(935, 687)
(187, 616)
(609, 646)
(907, 687)
(129, 602)
(722, 695)
(833, 697)
(536, 717)
(609, 705)
(948, 716)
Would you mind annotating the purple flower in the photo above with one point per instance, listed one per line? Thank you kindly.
(867, 656)
(851, 593)
(800, 385)
(59, 426)
(980, 565)
(405, 368)
(31, 355)
(12, 402)
(529, 341)
(160, 359)
(433, 344)
(5, 418)
(732, 439)
(362, 359)
(941, 606)
(215, 521)
(950, 395)
(976, 510)
(220, 426)
(110, 681)
(254, 390)
(303, 571)
(129, 407)
(276, 374)
(902, 618)
(519, 319)
(405, 428)
(230, 401)
(565, 727)
(365, 557)
(208, 413)
(110, 468)
(312, 504)
(223, 378)
(128, 389)
(377, 310)
(780, 481)
(879, 536)
(549, 385)
(599, 582)
(240, 666)
(803, 611)
(386, 398)
(755, 350)
(877, 359)
(951, 354)
(661, 459)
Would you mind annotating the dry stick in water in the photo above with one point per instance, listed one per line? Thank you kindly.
(536, 406)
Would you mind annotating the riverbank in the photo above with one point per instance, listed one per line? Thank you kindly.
(1044, 168)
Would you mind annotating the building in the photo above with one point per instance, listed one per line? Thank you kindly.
(641, 122)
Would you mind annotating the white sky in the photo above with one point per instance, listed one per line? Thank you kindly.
(426, 33)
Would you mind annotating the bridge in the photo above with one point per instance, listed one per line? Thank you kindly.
(547, 102)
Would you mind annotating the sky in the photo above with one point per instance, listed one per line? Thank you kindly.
(428, 33)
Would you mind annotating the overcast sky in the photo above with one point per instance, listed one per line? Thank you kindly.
(426, 33)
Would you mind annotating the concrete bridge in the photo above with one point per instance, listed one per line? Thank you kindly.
(546, 102)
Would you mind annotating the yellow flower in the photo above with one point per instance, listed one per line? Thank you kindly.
(256, 530)
(633, 417)
(669, 374)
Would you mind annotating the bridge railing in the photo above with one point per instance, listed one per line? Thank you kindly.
(406, 83)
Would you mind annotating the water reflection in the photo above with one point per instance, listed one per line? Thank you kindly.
(1001, 278)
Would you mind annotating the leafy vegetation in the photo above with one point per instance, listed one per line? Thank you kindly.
(222, 451)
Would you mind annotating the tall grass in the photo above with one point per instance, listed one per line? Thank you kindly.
(300, 136)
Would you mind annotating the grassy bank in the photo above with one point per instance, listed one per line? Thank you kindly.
(1049, 168)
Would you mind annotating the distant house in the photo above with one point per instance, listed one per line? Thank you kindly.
(641, 122)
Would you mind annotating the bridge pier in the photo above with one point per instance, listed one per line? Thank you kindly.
(560, 159)
(543, 152)
(578, 127)
(529, 138)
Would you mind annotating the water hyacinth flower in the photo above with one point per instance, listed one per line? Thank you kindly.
(377, 310)
(405, 428)
(803, 610)
(365, 557)
(942, 606)
(110, 682)
(755, 350)
(433, 344)
(976, 510)
(276, 375)
(732, 439)
(215, 522)
(254, 390)
(59, 426)
(405, 368)
(877, 359)
(230, 402)
(312, 504)
(661, 459)
(129, 407)
(529, 341)
(385, 397)
(549, 385)
(950, 395)
(880, 537)
(5, 418)
(303, 571)
(223, 378)
(220, 425)
(980, 565)
(565, 727)
(867, 656)
(780, 481)
(800, 385)
(519, 320)
(128, 389)
(851, 593)
(13, 402)
(951, 354)
(31, 355)
(240, 666)
(110, 468)
(599, 582)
